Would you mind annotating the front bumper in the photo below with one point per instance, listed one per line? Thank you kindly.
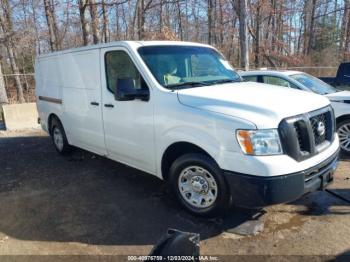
(255, 191)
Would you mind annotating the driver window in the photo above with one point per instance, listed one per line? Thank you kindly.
(119, 65)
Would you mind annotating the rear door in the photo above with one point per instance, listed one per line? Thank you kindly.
(128, 125)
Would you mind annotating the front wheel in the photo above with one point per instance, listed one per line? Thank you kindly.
(199, 185)
(343, 130)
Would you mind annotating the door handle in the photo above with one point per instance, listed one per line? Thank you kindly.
(94, 103)
(109, 105)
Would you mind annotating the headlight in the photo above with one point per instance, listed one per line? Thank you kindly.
(260, 142)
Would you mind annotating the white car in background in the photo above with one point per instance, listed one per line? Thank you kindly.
(340, 100)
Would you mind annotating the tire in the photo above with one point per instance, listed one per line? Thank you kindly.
(199, 185)
(59, 138)
(343, 130)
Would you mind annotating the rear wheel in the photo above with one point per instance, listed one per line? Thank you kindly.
(199, 185)
(59, 138)
(343, 130)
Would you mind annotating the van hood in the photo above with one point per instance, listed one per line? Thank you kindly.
(264, 105)
(339, 96)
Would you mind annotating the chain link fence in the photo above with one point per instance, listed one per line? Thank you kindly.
(28, 84)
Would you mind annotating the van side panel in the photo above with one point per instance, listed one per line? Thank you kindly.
(81, 95)
(68, 85)
(48, 79)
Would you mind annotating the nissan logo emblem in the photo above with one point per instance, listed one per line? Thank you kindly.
(321, 129)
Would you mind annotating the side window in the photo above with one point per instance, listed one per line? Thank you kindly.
(250, 78)
(120, 66)
(273, 80)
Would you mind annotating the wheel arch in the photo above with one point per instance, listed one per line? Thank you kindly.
(51, 118)
(176, 150)
(342, 118)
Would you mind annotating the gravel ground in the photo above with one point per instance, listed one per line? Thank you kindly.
(88, 205)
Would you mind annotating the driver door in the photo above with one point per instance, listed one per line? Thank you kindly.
(128, 124)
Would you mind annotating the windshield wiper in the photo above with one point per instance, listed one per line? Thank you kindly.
(186, 84)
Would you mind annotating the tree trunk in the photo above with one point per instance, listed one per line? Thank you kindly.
(106, 32)
(84, 23)
(210, 20)
(345, 31)
(306, 23)
(55, 28)
(243, 33)
(94, 22)
(311, 28)
(160, 16)
(51, 24)
(117, 26)
(346, 53)
(180, 20)
(257, 38)
(38, 46)
(7, 28)
(3, 94)
(221, 29)
(141, 19)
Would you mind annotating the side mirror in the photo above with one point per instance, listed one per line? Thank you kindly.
(126, 91)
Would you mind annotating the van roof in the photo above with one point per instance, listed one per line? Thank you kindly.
(131, 44)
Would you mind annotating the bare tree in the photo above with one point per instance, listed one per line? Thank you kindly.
(52, 25)
(140, 19)
(345, 32)
(105, 29)
(257, 35)
(94, 22)
(311, 27)
(281, 33)
(243, 33)
(84, 23)
(210, 20)
(180, 20)
(3, 94)
(37, 38)
(7, 29)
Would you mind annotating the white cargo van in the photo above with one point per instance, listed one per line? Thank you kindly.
(180, 112)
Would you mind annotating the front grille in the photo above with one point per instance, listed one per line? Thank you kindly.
(300, 141)
(308, 134)
(299, 127)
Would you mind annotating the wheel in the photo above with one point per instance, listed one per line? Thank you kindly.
(59, 138)
(343, 130)
(199, 185)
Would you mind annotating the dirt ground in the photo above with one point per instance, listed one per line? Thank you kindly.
(88, 205)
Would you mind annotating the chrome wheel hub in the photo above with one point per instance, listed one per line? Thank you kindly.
(198, 187)
(58, 138)
(344, 136)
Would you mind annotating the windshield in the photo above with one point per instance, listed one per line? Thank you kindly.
(187, 66)
(314, 84)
